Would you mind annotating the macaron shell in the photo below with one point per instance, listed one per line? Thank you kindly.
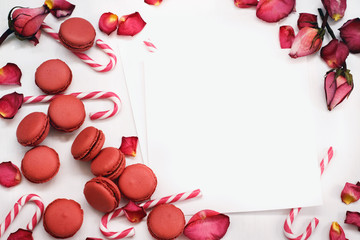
(63, 218)
(166, 222)
(33, 129)
(87, 144)
(110, 163)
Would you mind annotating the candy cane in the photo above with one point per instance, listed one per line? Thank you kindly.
(84, 95)
(85, 58)
(16, 209)
(146, 205)
(295, 211)
(150, 46)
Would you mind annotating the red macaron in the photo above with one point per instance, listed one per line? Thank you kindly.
(87, 144)
(77, 34)
(33, 129)
(109, 163)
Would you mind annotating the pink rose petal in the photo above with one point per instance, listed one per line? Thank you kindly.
(133, 212)
(336, 232)
(21, 234)
(131, 25)
(153, 2)
(9, 174)
(10, 74)
(129, 145)
(10, 104)
(60, 8)
(307, 20)
(350, 193)
(245, 3)
(274, 10)
(353, 218)
(335, 8)
(286, 36)
(108, 22)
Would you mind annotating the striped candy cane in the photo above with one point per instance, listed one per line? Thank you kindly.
(16, 209)
(150, 46)
(84, 95)
(146, 205)
(85, 58)
(295, 211)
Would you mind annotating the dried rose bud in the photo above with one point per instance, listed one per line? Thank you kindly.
(129, 145)
(108, 22)
(21, 234)
(60, 8)
(335, 53)
(133, 212)
(307, 20)
(336, 232)
(9, 174)
(335, 8)
(207, 225)
(153, 2)
(353, 218)
(306, 42)
(274, 10)
(350, 193)
(245, 3)
(350, 34)
(10, 74)
(131, 24)
(286, 36)
(338, 85)
(10, 104)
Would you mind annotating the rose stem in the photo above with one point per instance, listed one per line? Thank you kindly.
(324, 19)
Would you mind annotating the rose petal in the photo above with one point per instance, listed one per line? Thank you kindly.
(153, 2)
(350, 34)
(286, 36)
(129, 145)
(335, 8)
(10, 74)
(274, 10)
(9, 174)
(330, 87)
(245, 3)
(35, 39)
(336, 232)
(306, 42)
(133, 212)
(21, 234)
(334, 53)
(353, 218)
(60, 8)
(307, 20)
(207, 225)
(108, 22)
(10, 104)
(350, 193)
(90, 238)
(131, 24)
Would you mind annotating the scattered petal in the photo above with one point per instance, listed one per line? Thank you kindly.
(60, 8)
(10, 104)
(336, 232)
(350, 193)
(108, 22)
(133, 212)
(10, 74)
(306, 42)
(35, 39)
(286, 36)
(274, 10)
(21, 234)
(353, 218)
(9, 174)
(335, 8)
(131, 24)
(335, 53)
(153, 2)
(207, 225)
(129, 145)
(307, 20)
(245, 3)
(350, 34)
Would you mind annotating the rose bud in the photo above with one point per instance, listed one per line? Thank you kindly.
(9, 174)
(338, 85)
(131, 24)
(336, 232)
(108, 22)
(286, 36)
(335, 53)
(153, 2)
(10, 74)
(335, 8)
(10, 104)
(274, 10)
(353, 218)
(306, 42)
(307, 20)
(59, 8)
(350, 193)
(245, 3)
(350, 34)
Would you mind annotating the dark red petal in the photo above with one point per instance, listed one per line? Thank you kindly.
(10, 74)
(307, 20)
(336, 232)
(9, 174)
(10, 104)
(133, 212)
(286, 36)
(245, 3)
(335, 8)
(108, 22)
(350, 193)
(350, 34)
(274, 10)
(131, 25)
(153, 2)
(207, 225)
(129, 145)
(353, 218)
(60, 8)
(330, 87)
(334, 53)
(21, 234)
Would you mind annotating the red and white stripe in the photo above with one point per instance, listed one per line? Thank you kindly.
(146, 205)
(150, 46)
(83, 96)
(288, 232)
(16, 209)
(85, 58)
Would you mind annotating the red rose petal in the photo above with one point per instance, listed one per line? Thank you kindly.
(350, 34)
(35, 39)
(153, 2)
(131, 25)
(10, 104)
(350, 193)
(133, 212)
(286, 36)
(9, 174)
(129, 145)
(245, 3)
(274, 10)
(335, 8)
(21, 234)
(330, 87)
(10, 74)
(60, 8)
(334, 53)
(108, 22)
(353, 218)
(207, 225)
(336, 232)
(307, 20)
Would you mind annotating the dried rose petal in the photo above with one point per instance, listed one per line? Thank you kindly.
(307, 20)
(35, 39)
(245, 3)
(10, 74)
(335, 53)
(274, 10)
(108, 22)
(286, 36)
(131, 24)
(207, 225)
(10, 104)
(153, 2)
(133, 212)
(353, 218)
(350, 34)
(21, 234)
(129, 145)
(306, 42)
(336, 232)
(350, 193)
(9, 174)
(60, 8)
(335, 8)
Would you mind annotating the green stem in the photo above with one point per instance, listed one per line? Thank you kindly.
(325, 23)
(5, 35)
